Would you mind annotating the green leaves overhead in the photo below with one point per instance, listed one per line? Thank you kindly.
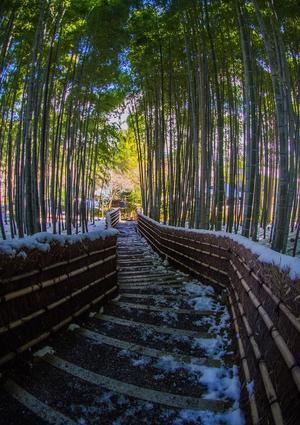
(62, 76)
(210, 84)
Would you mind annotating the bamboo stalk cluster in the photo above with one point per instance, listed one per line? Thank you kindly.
(217, 119)
(58, 82)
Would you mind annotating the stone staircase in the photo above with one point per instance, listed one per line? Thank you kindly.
(161, 353)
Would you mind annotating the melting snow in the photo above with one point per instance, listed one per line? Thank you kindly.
(214, 347)
(203, 303)
(232, 417)
(141, 362)
(196, 288)
(250, 387)
(222, 382)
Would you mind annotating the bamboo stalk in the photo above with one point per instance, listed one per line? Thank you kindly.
(204, 276)
(21, 321)
(281, 345)
(80, 257)
(76, 272)
(61, 324)
(19, 277)
(268, 385)
(55, 328)
(32, 342)
(196, 261)
(183, 237)
(278, 302)
(95, 301)
(7, 358)
(21, 292)
(245, 366)
(56, 265)
(25, 319)
(54, 281)
(93, 265)
(194, 249)
(102, 250)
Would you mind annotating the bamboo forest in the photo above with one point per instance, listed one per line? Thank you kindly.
(150, 144)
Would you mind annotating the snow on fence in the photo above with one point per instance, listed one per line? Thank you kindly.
(113, 217)
(264, 297)
(48, 280)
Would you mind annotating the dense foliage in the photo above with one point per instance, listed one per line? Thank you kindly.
(213, 95)
(60, 76)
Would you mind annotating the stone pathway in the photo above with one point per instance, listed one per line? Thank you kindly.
(159, 354)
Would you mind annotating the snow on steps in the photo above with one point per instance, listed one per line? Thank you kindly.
(129, 373)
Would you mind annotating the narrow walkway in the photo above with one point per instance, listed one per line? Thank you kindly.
(160, 354)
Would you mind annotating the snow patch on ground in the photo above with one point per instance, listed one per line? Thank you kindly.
(167, 316)
(220, 383)
(213, 347)
(250, 388)
(203, 303)
(197, 288)
(141, 362)
(214, 382)
(233, 416)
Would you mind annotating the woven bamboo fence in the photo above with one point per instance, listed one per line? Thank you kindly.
(113, 217)
(265, 307)
(41, 292)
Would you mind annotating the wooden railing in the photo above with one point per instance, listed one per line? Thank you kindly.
(113, 217)
(41, 292)
(264, 306)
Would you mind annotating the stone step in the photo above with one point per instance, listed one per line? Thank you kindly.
(146, 394)
(147, 351)
(164, 309)
(161, 329)
(174, 297)
(122, 361)
(34, 405)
